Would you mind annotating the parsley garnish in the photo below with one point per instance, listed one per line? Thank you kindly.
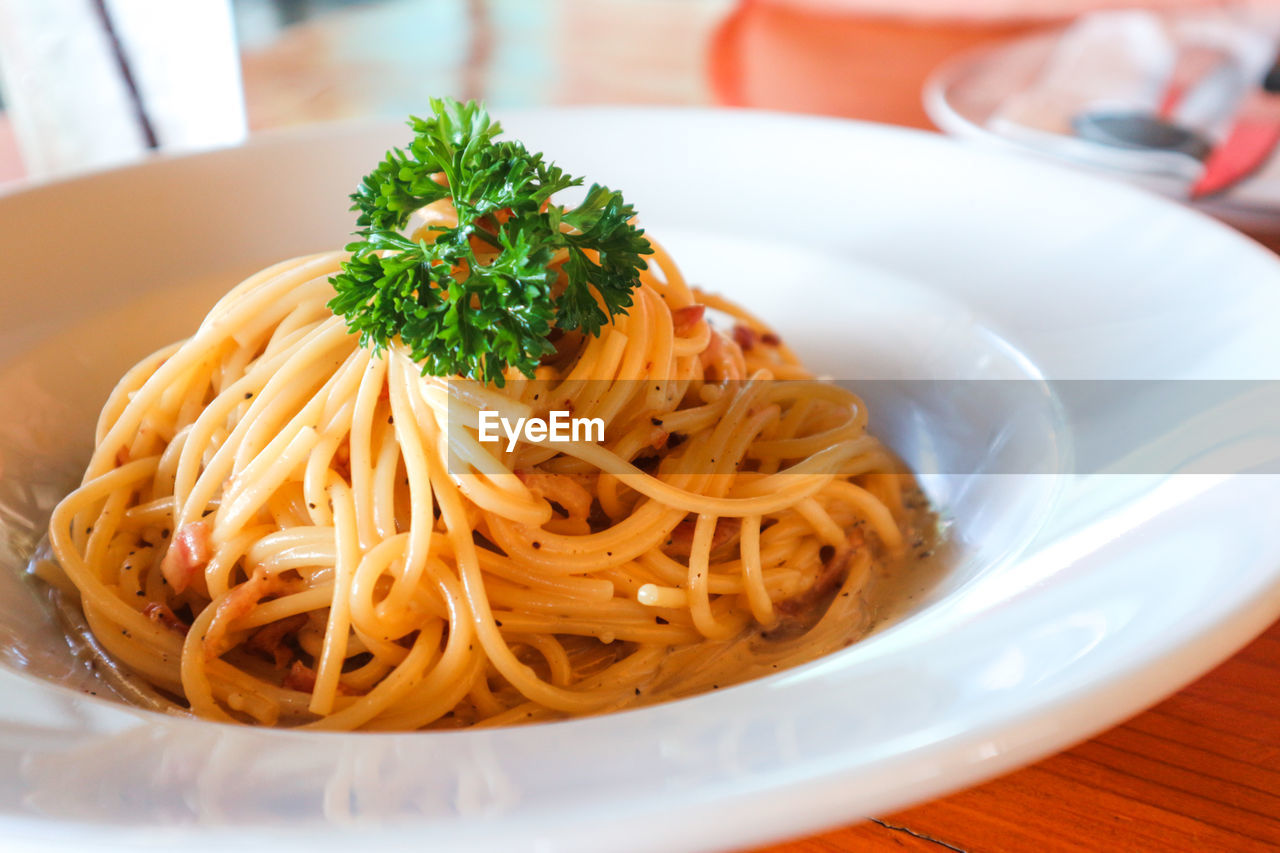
(484, 295)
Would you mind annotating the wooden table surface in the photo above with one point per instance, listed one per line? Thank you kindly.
(1199, 771)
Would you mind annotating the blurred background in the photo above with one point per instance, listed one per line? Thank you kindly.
(1151, 91)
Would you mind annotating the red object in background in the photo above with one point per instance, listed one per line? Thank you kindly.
(1250, 145)
(870, 66)
(1248, 148)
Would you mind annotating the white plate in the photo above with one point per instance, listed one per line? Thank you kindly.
(1075, 601)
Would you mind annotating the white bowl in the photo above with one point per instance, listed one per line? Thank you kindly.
(1072, 601)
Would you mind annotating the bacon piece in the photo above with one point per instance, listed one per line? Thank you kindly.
(829, 578)
(567, 345)
(745, 337)
(269, 640)
(189, 553)
(300, 677)
(684, 319)
(161, 613)
(303, 679)
(680, 543)
(560, 488)
(237, 603)
(714, 353)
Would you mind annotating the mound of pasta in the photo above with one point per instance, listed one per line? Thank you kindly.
(286, 521)
(279, 525)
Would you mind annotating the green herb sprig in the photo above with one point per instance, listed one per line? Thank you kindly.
(459, 314)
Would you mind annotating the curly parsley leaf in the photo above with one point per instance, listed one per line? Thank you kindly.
(482, 296)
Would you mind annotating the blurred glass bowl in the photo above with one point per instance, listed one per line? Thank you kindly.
(963, 94)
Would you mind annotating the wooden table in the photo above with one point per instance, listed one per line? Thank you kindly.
(1199, 771)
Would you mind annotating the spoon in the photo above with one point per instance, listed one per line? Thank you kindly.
(1203, 87)
(1144, 131)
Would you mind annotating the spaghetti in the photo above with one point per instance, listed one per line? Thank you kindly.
(279, 526)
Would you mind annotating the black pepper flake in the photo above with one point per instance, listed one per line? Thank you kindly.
(140, 592)
(391, 419)
(145, 544)
(89, 529)
(656, 421)
(537, 545)
(248, 394)
(311, 505)
(206, 513)
(637, 691)
(498, 622)
(661, 621)
(164, 534)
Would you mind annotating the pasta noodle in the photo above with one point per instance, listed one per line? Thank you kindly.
(279, 526)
